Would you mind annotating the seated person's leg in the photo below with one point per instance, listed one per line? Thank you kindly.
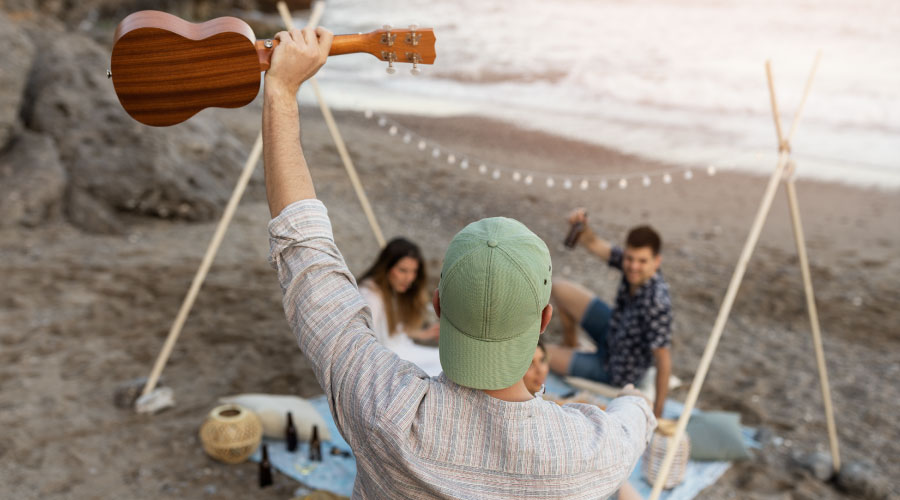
(570, 301)
(564, 361)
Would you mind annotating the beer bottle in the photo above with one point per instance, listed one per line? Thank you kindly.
(574, 233)
(265, 468)
(290, 434)
(315, 446)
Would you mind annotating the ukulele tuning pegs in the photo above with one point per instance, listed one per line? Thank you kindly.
(413, 27)
(391, 69)
(386, 27)
(108, 74)
(415, 71)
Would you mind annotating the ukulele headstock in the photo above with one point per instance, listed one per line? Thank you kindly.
(412, 45)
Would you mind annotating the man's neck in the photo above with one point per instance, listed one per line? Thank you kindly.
(514, 394)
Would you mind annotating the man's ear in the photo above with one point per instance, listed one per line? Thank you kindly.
(436, 302)
(546, 314)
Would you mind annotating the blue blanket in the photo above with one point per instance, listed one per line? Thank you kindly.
(336, 473)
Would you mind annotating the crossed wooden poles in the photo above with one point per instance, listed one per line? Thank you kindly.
(784, 171)
(316, 14)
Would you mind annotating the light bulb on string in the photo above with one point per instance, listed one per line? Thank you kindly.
(422, 145)
(407, 138)
(382, 121)
(496, 174)
(516, 176)
(464, 164)
(646, 181)
(688, 175)
(393, 130)
(435, 153)
(451, 158)
(368, 114)
(584, 184)
(482, 169)
(603, 184)
(711, 170)
(550, 182)
(528, 180)
(667, 178)
(567, 184)
(623, 183)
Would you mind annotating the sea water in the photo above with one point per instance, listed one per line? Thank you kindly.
(679, 81)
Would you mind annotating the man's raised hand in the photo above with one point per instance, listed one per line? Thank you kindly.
(298, 56)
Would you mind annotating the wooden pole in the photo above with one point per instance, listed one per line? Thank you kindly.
(339, 142)
(814, 323)
(719, 325)
(800, 240)
(725, 309)
(205, 264)
(213, 247)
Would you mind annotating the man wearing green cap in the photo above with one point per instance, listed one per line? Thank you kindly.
(474, 431)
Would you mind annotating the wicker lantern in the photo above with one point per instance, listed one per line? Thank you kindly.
(656, 452)
(231, 433)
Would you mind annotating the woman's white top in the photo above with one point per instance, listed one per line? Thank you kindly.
(424, 357)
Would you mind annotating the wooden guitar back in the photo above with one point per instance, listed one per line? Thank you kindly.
(165, 69)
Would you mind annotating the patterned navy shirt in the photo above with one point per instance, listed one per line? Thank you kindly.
(639, 324)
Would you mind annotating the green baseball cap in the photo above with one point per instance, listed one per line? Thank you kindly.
(494, 284)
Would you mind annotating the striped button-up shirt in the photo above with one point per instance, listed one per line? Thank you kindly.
(420, 437)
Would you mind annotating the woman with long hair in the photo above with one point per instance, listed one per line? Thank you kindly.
(394, 288)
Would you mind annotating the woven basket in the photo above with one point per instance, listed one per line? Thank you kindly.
(656, 453)
(231, 433)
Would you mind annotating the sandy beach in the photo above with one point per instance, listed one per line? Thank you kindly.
(80, 313)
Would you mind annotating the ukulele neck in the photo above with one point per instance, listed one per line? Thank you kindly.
(342, 44)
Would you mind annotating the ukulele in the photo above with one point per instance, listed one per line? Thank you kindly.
(165, 69)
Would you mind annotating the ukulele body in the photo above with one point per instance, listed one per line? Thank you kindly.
(166, 69)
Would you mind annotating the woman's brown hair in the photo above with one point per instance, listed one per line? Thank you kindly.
(408, 307)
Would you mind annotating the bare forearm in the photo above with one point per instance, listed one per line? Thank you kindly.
(663, 372)
(597, 246)
(287, 175)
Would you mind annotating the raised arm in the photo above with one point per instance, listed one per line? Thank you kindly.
(296, 59)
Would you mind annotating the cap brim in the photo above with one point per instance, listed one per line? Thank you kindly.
(481, 364)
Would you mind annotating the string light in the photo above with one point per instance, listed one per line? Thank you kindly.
(528, 178)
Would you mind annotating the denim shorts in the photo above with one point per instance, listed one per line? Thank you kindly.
(592, 365)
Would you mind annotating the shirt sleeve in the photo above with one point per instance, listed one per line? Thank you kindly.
(659, 316)
(616, 255)
(379, 317)
(631, 425)
(332, 322)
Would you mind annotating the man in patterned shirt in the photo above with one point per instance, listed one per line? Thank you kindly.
(475, 431)
(629, 336)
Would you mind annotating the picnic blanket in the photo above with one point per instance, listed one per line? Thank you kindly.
(336, 473)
